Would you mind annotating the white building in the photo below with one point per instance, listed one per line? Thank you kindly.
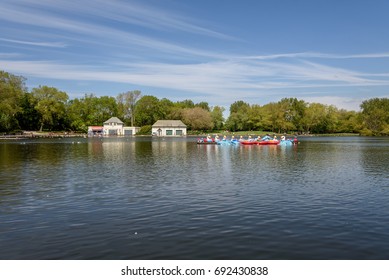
(113, 127)
(168, 128)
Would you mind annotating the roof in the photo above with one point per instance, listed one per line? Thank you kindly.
(169, 123)
(113, 120)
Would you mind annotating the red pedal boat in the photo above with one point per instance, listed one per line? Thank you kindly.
(266, 142)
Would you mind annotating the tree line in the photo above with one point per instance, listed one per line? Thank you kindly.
(48, 108)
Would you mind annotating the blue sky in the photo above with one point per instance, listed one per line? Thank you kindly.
(259, 51)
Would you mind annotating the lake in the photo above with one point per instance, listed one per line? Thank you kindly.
(169, 198)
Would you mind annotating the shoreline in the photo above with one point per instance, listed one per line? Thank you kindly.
(36, 135)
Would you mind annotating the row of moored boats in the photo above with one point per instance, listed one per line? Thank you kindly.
(266, 140)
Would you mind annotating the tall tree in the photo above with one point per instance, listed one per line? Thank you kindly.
(91, 110)
(293, 110)
(50, 104)
(255, 117)
(197, 118)
(239, 106)
(217, 117)
(203, 105)
(147, 110)
(29, 117)
(187, 103)
(273, 117)
(348, 122)
(375, 114)
(315, 118)
(239, 116)
(105, 108)
(12, 89)
(167, 107)
(127, 104)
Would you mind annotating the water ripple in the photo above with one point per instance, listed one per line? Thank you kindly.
(135, 198)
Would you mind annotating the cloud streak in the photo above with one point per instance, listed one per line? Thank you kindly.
(318, 55)
(113, 12)
(210, 77)
(40, 44)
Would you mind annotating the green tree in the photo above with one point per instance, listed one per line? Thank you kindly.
(239, 106)
(332, 120)
(187, 103)
(50, 104)
(197, 118)
(147, 110)
(82, 112)
(12, 89)
(167, 108)
(348, 122)
(238, 119)
(217, 117)
(203, 105)
(91, 110)
(315, 118)
(375, 115)
(28, 117)
(126, 104)
(105, 108)
(255, 116)
(293, 111)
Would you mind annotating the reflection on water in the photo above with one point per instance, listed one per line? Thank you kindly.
(326, 198)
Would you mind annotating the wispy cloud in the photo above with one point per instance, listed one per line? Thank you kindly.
(211, 76)
(10, 55)
(101, 35)
(113, 12)
(318, 55)
(40, 44)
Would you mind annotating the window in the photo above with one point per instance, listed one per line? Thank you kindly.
(169, 132)
(179, 132)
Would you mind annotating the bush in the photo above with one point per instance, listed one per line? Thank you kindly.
(366, 132)
(145, 130)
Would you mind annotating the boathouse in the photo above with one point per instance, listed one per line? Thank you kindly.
(113, 127)
(168, 128)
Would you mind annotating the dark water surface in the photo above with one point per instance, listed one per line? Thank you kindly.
(143, 198)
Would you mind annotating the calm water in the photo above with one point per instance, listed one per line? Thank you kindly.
(143, 198)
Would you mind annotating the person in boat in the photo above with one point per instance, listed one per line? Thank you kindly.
(217, 139)
(266, 137)
(241, 138)
(275, 137)
(209, 139)
(259, 139)
(224, 138)
(233, 138)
